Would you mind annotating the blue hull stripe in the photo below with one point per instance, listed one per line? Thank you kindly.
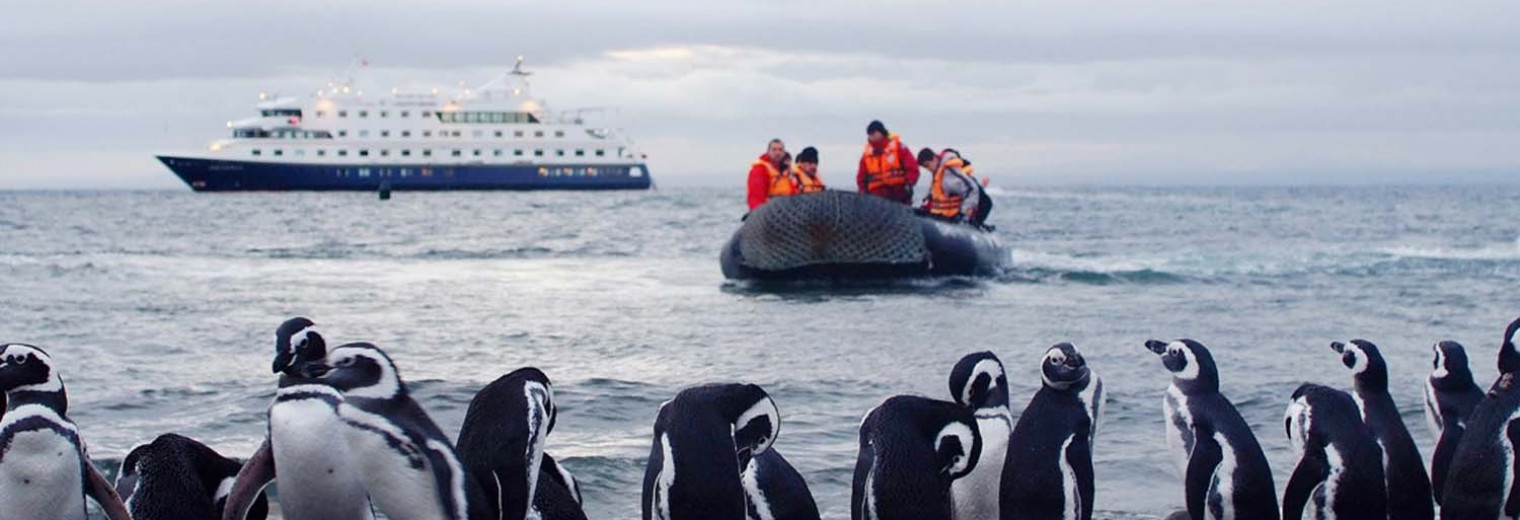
(221, 175)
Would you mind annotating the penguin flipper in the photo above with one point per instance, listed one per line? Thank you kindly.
(1512, 495)
(1202, 463)
(104, 493)
(251, 481)
(1440, 460)
(1310, 473)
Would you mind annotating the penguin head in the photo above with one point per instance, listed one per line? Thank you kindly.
(1063, 368)
(1364, 360)
(1191, 364)
(927, 437)
(25, 368)
(756, 428)
(1450, 364)
(1297, 421)
(978, 381)
(1509, 357)
(357, 370)
(296, 342)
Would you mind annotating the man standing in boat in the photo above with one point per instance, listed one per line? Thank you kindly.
(887, 167)
(764, 171)
(954, 193)
(796, 178)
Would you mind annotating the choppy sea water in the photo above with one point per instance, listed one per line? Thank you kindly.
(160, 308)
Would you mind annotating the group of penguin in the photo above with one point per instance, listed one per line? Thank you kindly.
(345, 440)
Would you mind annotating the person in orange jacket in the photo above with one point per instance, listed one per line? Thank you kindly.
(954, 193)
(888, 168)
(763, 170)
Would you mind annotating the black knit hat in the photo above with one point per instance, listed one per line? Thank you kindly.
(876, 126)
(925, 155)
(808, 155)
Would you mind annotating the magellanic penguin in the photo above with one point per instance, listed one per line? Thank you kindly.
(1409, 496)
(1225, 474)
(178, 478)
(45, 470)
(1481, 481)
(1340, 468)
(979, 383)
(305, 451)
(1451, 395)
(502, 446)
(558, 494)
(911, 450)
(703, 438)
(408, 465)
(1049, 473)
(775, 490)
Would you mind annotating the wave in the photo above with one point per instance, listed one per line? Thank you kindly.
(1493, 252)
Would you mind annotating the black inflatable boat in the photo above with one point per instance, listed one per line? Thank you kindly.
(838, 235)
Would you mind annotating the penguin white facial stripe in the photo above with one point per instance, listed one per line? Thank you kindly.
(991, 368)
(53, 383)
(1359, 358)
(962, 433)
(762, 408)
(300, 339)
(1298, 419)
(1440, 371)
(1190, 371)
(389, 383)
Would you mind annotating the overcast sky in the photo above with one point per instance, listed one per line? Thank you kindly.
(1154, 92)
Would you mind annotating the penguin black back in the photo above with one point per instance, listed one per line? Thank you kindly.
(775, 490)
(558, 496)
(178, 478)
(1408, 483)
(1451, 395)
(502, 440)
(911, 450)
(1049, 473)
(1340, 469)
(1480, 481)
(703, 438)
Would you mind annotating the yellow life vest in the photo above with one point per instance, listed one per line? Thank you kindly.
(793, 182)
(884, 170)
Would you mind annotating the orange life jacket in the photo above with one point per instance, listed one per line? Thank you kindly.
(793, 182)
(884, 170)
(943, 204)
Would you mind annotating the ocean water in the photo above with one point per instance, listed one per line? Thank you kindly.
(160, 308)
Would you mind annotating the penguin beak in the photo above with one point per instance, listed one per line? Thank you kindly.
(1338, 347)
(1156, 346)
(282, 361)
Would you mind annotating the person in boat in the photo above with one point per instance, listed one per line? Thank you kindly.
(955, 195)
(887, 166)
(765, 170)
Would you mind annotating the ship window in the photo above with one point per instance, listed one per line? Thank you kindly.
(343, 133)
(406, 114)
(456, 153)
(321, 153)
(342, 153)
(498, 133)
(517, 153)
(456, 133)
(496, 153)
(538, 153)
(406, 133)
(257, 152)
(580, 153)
(406, 153)
(427, 153)
(427, 114)
(518, 133)
(559, 153)
(427, 133)
(385, 133)
(559, 133)
(279, 152)
(384, 113)
(363, 153)
(477, 153)
(543, 172)
(321, 113)
(363, 113)
(342, 113)
(600, 153)
(539, 133)
(385, 153)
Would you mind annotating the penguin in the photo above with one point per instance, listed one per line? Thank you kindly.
(502, 446)
(1450, 398)
(1481, 482)
(775, 490)
(177, 478)
(558, 495)
(45, 469)
(978, 383)
(702, 439)
(304, 449)
(1409, 496)
(911, 450)
(1225, 474)
(1340, 468)
(1050, 473)
(408, 465)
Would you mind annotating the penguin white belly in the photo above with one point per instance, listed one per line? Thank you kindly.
(976, 495)
(1222, 486)
(40, 478)
(401, 485)
(316, 476)
(1177, 418)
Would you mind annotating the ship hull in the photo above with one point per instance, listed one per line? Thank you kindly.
(215, 175)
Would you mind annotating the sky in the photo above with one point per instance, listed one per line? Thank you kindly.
(1162, 92)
